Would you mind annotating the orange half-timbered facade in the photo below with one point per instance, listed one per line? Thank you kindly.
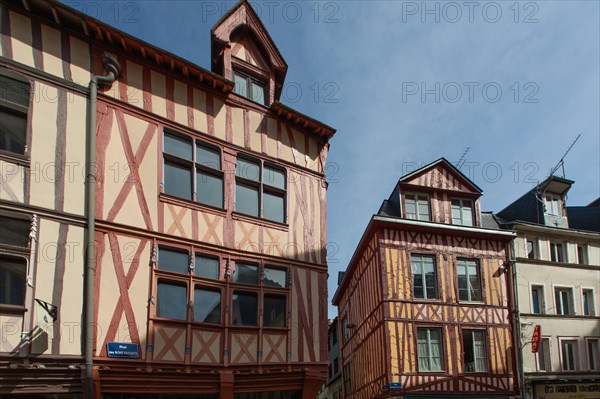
(425, 301)
(210, 263)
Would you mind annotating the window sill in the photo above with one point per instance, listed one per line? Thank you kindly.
(12, 309)
(191, 204)
(260, 221)
(12, 157)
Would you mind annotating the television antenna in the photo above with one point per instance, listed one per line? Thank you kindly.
(463, 158)
(561, 162)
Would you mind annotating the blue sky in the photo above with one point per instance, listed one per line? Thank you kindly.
(405, 83)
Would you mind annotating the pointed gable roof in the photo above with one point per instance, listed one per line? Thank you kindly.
(445, 175)
(243, 15)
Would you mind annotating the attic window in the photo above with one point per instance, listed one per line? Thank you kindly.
(553, 205)
(249, 87)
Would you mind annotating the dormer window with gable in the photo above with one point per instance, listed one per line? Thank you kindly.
(416, 206)
(250, 87)
(552, 203)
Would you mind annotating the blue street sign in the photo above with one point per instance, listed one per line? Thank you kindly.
(123, 350)
(392, 385)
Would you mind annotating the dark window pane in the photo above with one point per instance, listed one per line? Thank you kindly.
(273, 207)
(274, 311)
(210, 189)
(536, 300)
(13, 130)
(207, 267)
(207, 306)
(275, 277)
(246, 200)
(14, 91)
(244, 309)
(208, 157)
(174, 261)
(172, 301)
(241, 85)
(12, 281)
(247, 169)
(14, 231)
(258, 93)
(178, 146)
(178, 181)
(245, 274)
(274, 177)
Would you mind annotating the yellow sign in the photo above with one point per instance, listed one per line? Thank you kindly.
(567, 391)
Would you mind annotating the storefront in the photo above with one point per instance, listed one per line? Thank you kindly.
(589, 390)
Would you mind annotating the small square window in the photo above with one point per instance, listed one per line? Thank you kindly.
(174, 261)
(275, 277)
(245, 274)
(207, 267)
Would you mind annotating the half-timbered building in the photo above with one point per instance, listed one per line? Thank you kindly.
(425, 303)
(208, 273)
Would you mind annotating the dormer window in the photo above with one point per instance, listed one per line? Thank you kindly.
(552, 203)
(417, 206)
(462, 212)
(249, 87)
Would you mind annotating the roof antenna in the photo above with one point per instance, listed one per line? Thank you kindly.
(561, 163)
(463, 158)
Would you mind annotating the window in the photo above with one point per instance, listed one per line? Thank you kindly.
(345, 330)
(557, 253)
(417, 206)
(244, 309)
(335, 366)
(173, 261)
(564, 301)
(260, 190)
(593, 353)
(245, 273)
(474, 351)
(207, 305)
(430, 349)
(553, 205)
(172, 301)
(192, 170)
(14, 105)
(569, 355)
(588, 302)
(462, 212)
(249, 87)
(274, 311)
(582, 257)
(469, 283)
(543, 355)
(14, 236)
(424, 277)
(274, 277)
(537, 299)
(531, 249)
(347, 378)
(207, 267)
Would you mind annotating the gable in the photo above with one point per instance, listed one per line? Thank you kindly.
(441, 177)
(244, 49)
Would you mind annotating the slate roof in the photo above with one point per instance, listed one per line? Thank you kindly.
(584, 217)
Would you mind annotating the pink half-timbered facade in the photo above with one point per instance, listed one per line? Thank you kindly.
(426, 299)
(210, 216)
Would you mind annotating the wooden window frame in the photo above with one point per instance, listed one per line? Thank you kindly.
(414, 196)
(486, 349)
(480, 278)
(552, 199)
(18, 252)
(573, 310)
(437, 280)
(10, 156)
(263, 187)
(193, 166)
(251, 78)
(462, 207)
(442, 347)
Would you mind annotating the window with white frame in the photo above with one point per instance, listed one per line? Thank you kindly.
(543, 355)
(563, 298)
(582, 254)
(429, 348)
(474, 351)
(569, 358)
(424, 277)
(552, 203)
(557, 252)
(469, 280)
(531, 249)
(593, 354)
(416, 206)
(537, 299)
(587, 302)
(462, 212)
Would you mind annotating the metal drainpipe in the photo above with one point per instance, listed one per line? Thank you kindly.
(113, 70)
(515, 298)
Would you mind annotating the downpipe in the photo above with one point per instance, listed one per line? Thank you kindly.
(113, 71)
